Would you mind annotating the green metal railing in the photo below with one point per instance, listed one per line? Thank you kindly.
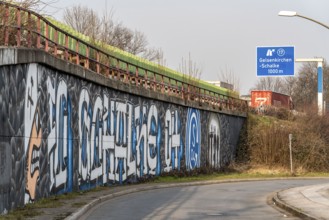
(20, 27)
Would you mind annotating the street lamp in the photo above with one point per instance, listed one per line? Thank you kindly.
(294, 14)
(320, 65)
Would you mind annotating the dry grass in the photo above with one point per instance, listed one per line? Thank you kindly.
(265, 143)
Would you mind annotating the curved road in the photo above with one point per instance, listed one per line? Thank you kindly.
(238, 200)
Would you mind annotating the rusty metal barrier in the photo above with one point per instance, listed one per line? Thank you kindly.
(20, 27)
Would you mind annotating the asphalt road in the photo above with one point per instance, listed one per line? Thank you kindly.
(239, 200)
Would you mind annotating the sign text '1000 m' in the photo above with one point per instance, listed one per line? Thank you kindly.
(275, 61)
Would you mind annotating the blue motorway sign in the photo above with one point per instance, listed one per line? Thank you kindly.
(275, 61)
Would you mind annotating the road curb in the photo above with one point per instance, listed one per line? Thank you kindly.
(291, 209)
(81, 211)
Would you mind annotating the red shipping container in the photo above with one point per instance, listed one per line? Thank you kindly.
(261, 98)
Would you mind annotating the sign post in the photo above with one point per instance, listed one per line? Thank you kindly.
(290, 151)
(276, 61)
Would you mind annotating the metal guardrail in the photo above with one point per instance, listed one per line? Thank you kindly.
(20, 27)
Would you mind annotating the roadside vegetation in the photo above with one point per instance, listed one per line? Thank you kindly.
(265, 139)
(264, 142)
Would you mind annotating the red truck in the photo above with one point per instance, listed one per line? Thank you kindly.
(261, 98)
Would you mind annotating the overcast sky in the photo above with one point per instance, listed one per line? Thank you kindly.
(221, 35)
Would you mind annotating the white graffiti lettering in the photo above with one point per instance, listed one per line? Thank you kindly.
(152, 135)
(214, 141)
(141, 134)
(117, 140)
(172, 140)
(84, 134)
(58, 133)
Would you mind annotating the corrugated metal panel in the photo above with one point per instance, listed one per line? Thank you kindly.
(280, 100)
(261, 98)
(268, 98)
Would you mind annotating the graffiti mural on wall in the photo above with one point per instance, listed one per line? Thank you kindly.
(34, 132)
(173, 140)
(12, 153)
(78, 135)
(214, 141)
(60, 137)
(117, 140)
(193, 139)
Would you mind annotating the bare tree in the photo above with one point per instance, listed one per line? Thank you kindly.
(131, 41)
(229, 77)
(35, 5)
(274, 84)
(105, 29)
(154, 54)
(138, 43)
(189, 68)
(83, 20)
(305, 91)
(289, 85)
(191, 75)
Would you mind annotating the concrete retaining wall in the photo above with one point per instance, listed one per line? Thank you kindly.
(63, 128)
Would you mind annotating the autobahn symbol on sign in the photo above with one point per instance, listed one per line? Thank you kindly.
(275, 61)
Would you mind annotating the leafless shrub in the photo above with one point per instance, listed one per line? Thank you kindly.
(280, 113)
(84, 20)
(35, 5)
(191, 76)
(269, 145)
(230, 77)
(265, 142)
(104, 28)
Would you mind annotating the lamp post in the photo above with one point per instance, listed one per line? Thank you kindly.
(319, 61)
(294, 14)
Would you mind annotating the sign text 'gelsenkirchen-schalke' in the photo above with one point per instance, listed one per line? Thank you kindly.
(275, 61)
